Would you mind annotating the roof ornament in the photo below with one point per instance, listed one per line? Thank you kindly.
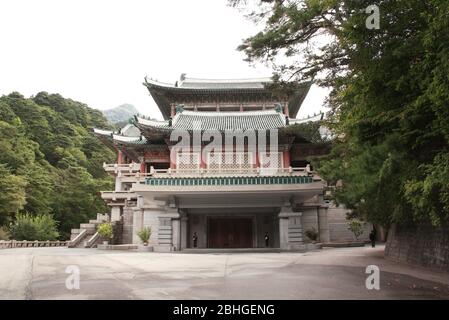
(179, 108)
(182, 77)
(170, 122)
(278, 107)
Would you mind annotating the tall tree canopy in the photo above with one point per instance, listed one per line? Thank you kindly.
(389, 101)
(49, 161)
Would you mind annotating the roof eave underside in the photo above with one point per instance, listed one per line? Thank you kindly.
(166, 95)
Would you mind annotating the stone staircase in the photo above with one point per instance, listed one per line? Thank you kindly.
(87, 236)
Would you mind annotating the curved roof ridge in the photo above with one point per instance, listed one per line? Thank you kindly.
(159, 83)
(313, 118)
(141, 140)
(152, 123)
(103, 132)
(256, 79)
(229, 113)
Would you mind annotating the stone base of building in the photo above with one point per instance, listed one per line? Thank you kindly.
(419, 245)
(214, 226)
(278, 228)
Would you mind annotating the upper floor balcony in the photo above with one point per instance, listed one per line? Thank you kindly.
(114, 168)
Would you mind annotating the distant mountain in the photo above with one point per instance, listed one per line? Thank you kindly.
(120, 114)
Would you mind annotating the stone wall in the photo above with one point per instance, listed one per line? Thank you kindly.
(309, 221)
(338, 226)
(127, 236)
(421, 245)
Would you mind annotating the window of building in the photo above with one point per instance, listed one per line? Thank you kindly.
(241, 162)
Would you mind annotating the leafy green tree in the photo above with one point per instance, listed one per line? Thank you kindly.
(50, 163)
(306, 132)
(39, 189)
(12, 193)
(356, 227)
(389, 99)
(4, 233)
(31, 227)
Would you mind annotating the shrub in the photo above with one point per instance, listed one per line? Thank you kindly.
(312, 234)
(4, 234)
(356, 226)
(144, 234)
(105, 230)
(29, 227)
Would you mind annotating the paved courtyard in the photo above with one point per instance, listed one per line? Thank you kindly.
(40, 273)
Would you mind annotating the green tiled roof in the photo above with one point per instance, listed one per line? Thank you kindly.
(228, 181)
(191, 90)
(187, 120)
(119, 137)
(129, 140)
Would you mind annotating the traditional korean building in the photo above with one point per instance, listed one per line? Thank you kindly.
(228, 198)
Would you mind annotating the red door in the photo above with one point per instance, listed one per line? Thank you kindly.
(230, 233)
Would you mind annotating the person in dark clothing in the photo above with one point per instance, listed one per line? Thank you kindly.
(267, 240)
(195, 240)
(372, 237)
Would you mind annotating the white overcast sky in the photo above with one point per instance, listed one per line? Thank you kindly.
(99, 51)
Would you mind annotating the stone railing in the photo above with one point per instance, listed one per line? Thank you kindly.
(126, 167)
(204, 172)
(73, 243)
(303, 171)
(7, 244)
(118, 195)
(92, 240)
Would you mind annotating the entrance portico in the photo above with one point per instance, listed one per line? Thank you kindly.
(224, 216)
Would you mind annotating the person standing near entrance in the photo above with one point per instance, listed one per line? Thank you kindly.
(372, 237)
(195, 240)
(267, 240)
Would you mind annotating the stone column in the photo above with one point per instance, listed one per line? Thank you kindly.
(120, 159)
(115, 213)
(184, 221)
(286, 158)
(173, 214)
(118, 181)
(118, 184)
(176, 225)
(283, 232)
(169, 230)
(290, 229)
(143, 165)
(137, 224)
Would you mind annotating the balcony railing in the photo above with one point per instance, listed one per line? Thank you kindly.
(290, 171)
(118, 195)
(122, 168)
(208, 177)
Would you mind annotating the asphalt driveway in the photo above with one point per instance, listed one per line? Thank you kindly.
(49, 273)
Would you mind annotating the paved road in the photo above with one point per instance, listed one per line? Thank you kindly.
(39, 273)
